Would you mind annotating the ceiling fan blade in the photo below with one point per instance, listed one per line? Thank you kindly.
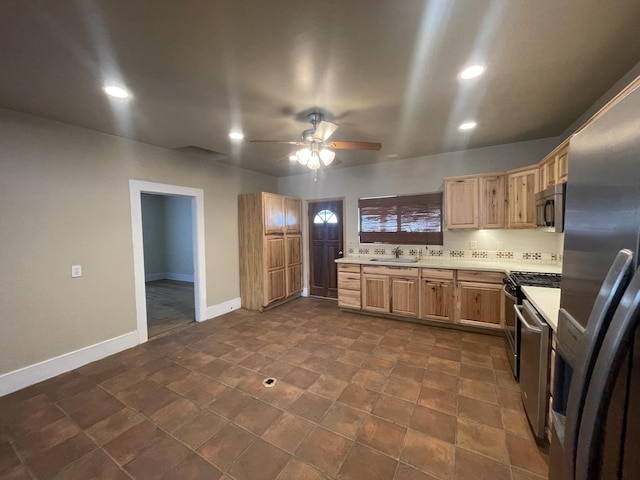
(324, 130)
(274, 141)
(355, 145)
(336, 161)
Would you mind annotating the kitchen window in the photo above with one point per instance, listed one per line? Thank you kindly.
(403, 219)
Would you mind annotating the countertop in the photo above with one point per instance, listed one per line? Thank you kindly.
(546, 301)
(487, 265)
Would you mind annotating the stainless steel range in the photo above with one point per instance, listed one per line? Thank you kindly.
(514, 296)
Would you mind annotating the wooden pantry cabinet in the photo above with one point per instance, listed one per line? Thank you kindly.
(270, 249)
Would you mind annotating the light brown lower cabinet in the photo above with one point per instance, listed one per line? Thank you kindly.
(437, 299)
(294, 264)
(480, 298)
(349, 286)
(404, 296)
(375, 293)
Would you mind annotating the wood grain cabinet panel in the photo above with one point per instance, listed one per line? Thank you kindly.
(480, 303)
(461, 203)
(273, 213)
(275, 286)
(375, 293)
(274, 252)
(493, 202)
(522, 186)
(436, 297)
(404, 296)
(349, 286)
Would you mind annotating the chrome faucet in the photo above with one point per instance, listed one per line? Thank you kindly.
(396, 251)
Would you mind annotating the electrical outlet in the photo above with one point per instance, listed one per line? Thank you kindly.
(473, 245)
(500, 246)
(76, 271)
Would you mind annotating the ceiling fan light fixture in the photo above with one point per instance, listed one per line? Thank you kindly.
(314, 161)
(327, 156)
(303, 155)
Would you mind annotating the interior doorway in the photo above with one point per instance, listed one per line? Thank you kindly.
(195, 199)
(167, 233)
(325, 245)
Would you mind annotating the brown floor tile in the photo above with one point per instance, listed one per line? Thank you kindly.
(154, 462)
(328, 387)
(341, 371)
(434, 423)
(479, 411)
(441, 381)
(408, 372)
(387, 353)
(310, 406)
(415, 358)
(235, 375)
(93, 465)
(287, 432)
(442, 365)
(475, 372)
(406, 472)
(362, 346)
(294, 356)
(199, 428)
(120, 382)
(429, 454)
(174, 414)
(364, 463)
(315, 363)
(23, 425)
(446, 353)
(113, 426)
(237, 355)
(51, 435)
(226, 446)
(402, 388)
(394, 409)
(358, 397)
(276, 368)
(519, 474)
(525, 455)
(355, 359)
(281, 395)
(382, 435)
(169, 374)
(257, 416)
(146, 397)
(324, 450)
(479, 390)
(261, 461)
(370, 380)
(506, 380)
(344, 420)
(49, 462)
(297, 470)
(8, 458)
(127, 445)
(478, 467)
(515, 422)
(378, 365)
(231, 403)
(215, 368)
(255, 361)
(469, 344)
(482, 439)
(193, 467)
(445, 340)
(510, 399)
(477, 359)
(441, 400)
(301, 377)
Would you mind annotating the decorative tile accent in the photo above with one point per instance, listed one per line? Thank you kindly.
(479, 254)
(457, 253)
(363, 251)
(554, 257)
(350, 251)
(435, 253)
(505, 255)
(380, 251)
(413, 252)
(532, 256)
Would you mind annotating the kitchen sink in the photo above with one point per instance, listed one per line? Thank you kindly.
(395, 260)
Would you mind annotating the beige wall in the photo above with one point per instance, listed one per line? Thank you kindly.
(64, 199)
(418, 175)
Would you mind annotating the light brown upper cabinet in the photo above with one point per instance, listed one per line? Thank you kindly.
(493, 202)
(522, 186)
(461, 203)
(292, 215)
(273, 213)
(554, 168)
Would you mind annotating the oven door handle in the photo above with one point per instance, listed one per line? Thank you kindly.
(531, 328)
(511, 296)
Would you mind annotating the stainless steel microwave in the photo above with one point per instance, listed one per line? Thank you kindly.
(550, 208)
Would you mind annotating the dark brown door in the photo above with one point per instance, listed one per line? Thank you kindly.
(325, 243)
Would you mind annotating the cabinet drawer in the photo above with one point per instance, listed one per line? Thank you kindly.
(437, 273)
(349, 298)
(349, 267)
(392, 271)
(477, 276)
(349, 281)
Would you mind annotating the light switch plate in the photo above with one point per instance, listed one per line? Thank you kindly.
(473, 245)
(76, 271)
(500, 246)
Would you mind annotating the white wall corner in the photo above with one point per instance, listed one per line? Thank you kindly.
(181, 277)
(24, 377)
(305, 292)
(152, 277)
(222, 308)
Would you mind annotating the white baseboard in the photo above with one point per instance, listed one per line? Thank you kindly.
(305, 292)
(24, 377)
(181, 277)
(222, 308)
(152, 277)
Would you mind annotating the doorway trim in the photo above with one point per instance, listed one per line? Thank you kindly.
(307, 232)
(136, 189)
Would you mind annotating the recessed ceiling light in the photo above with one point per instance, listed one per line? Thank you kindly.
(467, 126)
(293, 158)
(115, 91)
(472, 72)
(236, 136)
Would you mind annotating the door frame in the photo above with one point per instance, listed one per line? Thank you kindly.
(307, 232)
(136, 189)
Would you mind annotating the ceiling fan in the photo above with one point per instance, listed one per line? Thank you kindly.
(315, 149)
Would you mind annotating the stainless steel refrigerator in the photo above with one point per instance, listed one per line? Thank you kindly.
(596, 392)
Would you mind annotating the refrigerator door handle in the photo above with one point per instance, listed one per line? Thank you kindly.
(525, 324)
(615, 346)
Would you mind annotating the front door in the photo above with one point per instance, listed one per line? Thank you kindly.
(325, 243)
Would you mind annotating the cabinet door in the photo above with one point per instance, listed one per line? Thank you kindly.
(461, 203)
(480, 302)
(437, 299)
(562, 161)
(292, 215)
(274, 256)
(294, 279)
(294, 264)
(273, 213)
(521, 203)
(492, 201)
(275, 286)
(375, 293)
(404, 296)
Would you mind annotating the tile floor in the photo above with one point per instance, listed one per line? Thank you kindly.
(170, 306)
(357, 397)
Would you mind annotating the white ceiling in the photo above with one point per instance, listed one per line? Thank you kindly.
(385, 71)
